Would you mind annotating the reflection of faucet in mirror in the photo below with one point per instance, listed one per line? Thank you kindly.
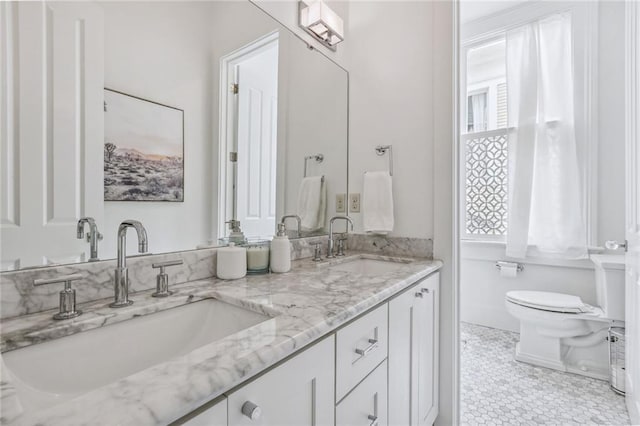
(330, 254)
(296, 217)
(93, 236)
(122, 275)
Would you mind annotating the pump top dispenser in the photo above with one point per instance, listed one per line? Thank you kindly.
(236, 236)
(280, 251)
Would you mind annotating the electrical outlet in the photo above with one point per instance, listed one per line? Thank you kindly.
(341, 203)
(354, 203)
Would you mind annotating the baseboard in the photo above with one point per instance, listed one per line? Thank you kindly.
(489, 316)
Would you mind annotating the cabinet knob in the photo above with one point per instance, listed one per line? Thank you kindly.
(419, 294)
(424, 290)
(251, 410)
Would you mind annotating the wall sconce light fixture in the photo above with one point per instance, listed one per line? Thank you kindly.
(322, 23)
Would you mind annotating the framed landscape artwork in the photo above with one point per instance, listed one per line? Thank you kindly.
(143, 149)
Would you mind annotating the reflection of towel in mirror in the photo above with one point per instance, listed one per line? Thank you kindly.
(377, 203)
(312, 203)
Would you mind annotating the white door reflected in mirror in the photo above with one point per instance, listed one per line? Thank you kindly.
(256, 74)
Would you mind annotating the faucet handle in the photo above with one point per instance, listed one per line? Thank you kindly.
(67, 307)
(163, 265)
(317, 254)
(162, 280)
(98, 235)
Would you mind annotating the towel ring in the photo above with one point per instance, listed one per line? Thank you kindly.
(381, 150)
(318, 157)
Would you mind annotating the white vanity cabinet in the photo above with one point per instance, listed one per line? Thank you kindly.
(413, 354)
(298, 392)
(380, 369)
(212, 416)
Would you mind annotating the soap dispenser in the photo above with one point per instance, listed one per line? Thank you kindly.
(236, 236)
(280, 251)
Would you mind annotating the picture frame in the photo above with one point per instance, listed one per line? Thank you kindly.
(143, 149)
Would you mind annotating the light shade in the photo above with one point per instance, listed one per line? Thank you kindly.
(321, 22)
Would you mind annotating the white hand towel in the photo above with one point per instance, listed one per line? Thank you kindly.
(377, 203)
(312, 203)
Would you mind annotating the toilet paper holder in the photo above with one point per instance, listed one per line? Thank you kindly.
(519, 266)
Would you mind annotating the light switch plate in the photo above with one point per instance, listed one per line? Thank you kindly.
(354, 203)
(341, 203)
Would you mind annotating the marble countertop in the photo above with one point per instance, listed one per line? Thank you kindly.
(305, 304)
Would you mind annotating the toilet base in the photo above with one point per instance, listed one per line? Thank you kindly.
(590, 362)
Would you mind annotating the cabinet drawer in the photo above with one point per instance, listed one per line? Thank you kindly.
(367, 404)
(360, 347)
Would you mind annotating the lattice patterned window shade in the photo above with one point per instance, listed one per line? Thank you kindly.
(486, 183)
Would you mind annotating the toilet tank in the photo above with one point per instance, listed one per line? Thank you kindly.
(610, 285)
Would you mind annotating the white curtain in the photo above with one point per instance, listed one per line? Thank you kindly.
(479, 108)
(546, 217)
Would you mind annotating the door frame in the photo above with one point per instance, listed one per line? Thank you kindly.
(227, 135)
(632, 133)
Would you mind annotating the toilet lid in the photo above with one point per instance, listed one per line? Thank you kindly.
(547, 301)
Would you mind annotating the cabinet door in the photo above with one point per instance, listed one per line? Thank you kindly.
(428, 349)
(413, 354)
(298, 392)
(403, 364)
(366, 405)
(213, 416)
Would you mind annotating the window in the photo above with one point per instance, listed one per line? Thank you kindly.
(484, 114)
(485, 141)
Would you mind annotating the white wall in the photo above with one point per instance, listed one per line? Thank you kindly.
(482, 288)
(162, 52)
(316, 122)
(391, 86)
(611, 93)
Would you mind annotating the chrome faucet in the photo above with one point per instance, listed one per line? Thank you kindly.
(93, 236)
(296, 217)
(330, 254)
(122, 275)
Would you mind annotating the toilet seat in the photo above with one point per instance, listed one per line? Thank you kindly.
(548, 301)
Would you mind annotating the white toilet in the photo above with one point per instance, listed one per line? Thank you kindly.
(562, 332)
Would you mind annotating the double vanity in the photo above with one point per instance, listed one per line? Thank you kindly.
(353, 340)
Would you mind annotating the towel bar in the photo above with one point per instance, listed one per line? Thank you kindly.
(381, 150)
(319, 159)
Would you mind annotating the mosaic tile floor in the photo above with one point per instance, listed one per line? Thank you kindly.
(498, 390)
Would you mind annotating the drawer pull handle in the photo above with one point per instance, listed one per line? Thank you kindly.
(424, 290)
(374, 420)
(251, 410)
(373, 343)
(419, 294)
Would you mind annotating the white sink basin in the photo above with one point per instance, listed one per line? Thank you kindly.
(57, 370)
(368, 267)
